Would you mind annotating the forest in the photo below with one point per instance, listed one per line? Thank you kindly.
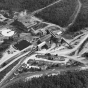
(77, 79)
(19, 5)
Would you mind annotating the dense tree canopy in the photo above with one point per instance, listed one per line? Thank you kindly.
(30, 5)
(77, 79)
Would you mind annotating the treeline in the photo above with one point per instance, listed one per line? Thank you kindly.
(69, 80)
(30, 5)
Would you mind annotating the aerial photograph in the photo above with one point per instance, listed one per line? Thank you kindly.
(43, 43)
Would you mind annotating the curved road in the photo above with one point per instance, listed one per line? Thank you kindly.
(45, 72)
